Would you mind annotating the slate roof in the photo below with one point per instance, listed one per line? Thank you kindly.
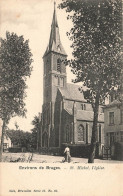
(88, 115)
(85, 115)
(72, 92)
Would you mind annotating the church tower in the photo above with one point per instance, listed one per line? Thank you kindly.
(54, 76)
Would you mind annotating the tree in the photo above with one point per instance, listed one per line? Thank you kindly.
(35, 132)
(96, 43)
(15, 67)
(19, 138)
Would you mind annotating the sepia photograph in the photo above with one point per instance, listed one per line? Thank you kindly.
(61, 97)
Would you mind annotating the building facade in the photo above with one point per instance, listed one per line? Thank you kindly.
(66, 116)
(113, 118)
(7, 142)
(113, 122)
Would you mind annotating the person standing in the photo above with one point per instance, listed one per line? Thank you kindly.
(67, 154)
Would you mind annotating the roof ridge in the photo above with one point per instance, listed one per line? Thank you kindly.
(67, 110)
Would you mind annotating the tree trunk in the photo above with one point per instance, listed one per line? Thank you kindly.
(2, 140)
(94, 131)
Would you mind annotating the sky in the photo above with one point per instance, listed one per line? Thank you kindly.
(32, 19)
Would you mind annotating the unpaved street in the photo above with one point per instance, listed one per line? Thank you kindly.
(38, 158)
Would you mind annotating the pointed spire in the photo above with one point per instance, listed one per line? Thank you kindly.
(54, 42)
(54, 21)
(54, 5)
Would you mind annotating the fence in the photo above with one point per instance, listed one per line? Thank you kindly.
(106, 152)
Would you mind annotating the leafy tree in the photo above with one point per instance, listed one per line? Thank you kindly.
(96, 43)
(35, 131)
(19, 137)
(15, 67)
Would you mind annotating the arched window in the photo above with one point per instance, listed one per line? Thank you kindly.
(86, 133)
(80, 133)
(56, 80)
(58, 65)
(45, 117)
(67, 134)
(47, 66)
(111, 97)
(48, 116)
(100, 133)
(61, 82)
(83, 106)
(58, 48)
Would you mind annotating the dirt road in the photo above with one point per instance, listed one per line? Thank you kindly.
(38, 158)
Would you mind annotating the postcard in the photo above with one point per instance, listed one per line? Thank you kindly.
(58, 138)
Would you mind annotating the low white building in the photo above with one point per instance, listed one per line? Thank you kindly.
(7, 142)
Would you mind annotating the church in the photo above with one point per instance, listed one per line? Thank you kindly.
(67, 117)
